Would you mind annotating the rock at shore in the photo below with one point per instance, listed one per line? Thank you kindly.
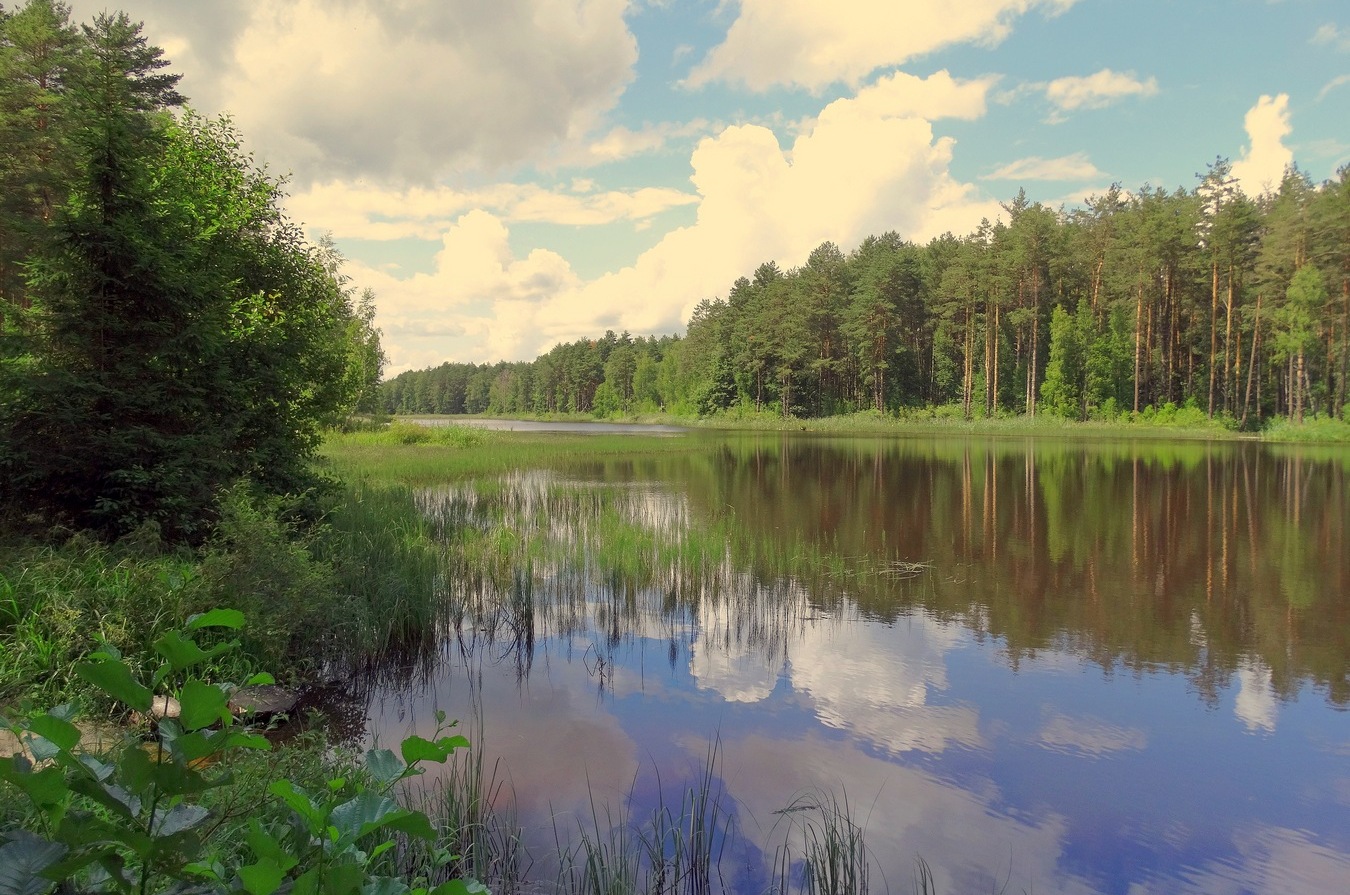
(262, 700)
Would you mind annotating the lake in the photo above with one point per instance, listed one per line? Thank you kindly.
(1052, 666)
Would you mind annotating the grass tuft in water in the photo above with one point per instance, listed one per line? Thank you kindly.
(677, 850)
(829, 845)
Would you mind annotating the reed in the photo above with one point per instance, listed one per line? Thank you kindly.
(479, 836)
(829, 845)
(677, 850)
(388, 564)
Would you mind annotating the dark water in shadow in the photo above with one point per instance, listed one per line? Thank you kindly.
(1059, 666)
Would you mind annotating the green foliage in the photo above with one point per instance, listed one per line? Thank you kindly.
(1167, 297)
(1062, 392)
(1312, 429)
(123, 820)
(401, 432)
(56, 600)
(266, 567)
(132, 820)
(177, 332)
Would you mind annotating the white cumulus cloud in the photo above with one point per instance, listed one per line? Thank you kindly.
(358, 210)
(1332, 35)
(406, 91)
(1265, 156)
(1097, 90)
(805, 43)
(479, 292)
(1068, 167)
(865, 165)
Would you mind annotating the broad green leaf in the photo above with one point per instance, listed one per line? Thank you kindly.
(106, 652)
(73, 864)
(233, 738)
(93, 765)
(385, 885)
(89, 835)
(135, 769)
(174, 779)
(417, 749)
(45, 788)
(66, 711)
(364, 814)
(262, 878)
(413, 823)
(22, 859)
(114, 678)
(42, 748)
(461, 887)
(192, 747)
(300, 803)
(306, 883)
(268, 847)
(261, 679)
(183, 653)
(61, 732)
(178, 819)
(343, 879)
(216, 618)
(203, 705)
(188, 747)
(121, 802)
(384, 765)
(174, 850)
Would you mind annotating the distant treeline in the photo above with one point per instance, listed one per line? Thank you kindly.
(1239, 306)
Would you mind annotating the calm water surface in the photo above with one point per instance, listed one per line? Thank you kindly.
(1055, 666)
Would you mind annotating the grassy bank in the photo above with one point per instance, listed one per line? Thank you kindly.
(1168, 422)
(321, 596)
(408, 454)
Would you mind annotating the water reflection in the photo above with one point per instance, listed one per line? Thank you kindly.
(1122, 668)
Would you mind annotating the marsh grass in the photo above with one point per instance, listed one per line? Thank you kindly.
(388, 567)
(479, 836)
(57, 602)
(676, 850)
(480, 453)
(825, 847)
(1313, 430)
(369, 583)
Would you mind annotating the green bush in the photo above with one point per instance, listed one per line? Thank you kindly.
(135, 821)
(263, 565)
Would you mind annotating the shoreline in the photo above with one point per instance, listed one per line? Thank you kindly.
(1321, 430)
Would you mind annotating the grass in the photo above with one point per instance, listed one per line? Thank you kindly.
(383, 459)
(1166, 422)
(832, 845)
(1314, 430)
(57, 602)
(677, 850)
(478, 840)
(368, 583)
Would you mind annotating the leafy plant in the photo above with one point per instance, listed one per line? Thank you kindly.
(130, 821)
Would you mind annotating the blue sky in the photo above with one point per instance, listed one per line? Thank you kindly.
(510, 174)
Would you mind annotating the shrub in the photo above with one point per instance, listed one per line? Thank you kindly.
(134, 821)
